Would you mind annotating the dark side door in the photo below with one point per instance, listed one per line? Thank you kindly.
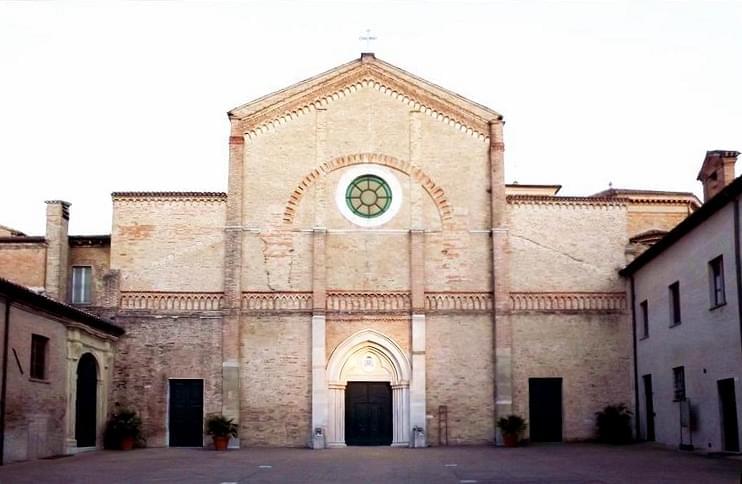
(368, 413)
(186, 417)
(545, 409)
(649, 406)
(729, 425)
(87, 401)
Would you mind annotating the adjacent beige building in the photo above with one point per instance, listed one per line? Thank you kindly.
(56, 377)
(688, 321)
(367, 278)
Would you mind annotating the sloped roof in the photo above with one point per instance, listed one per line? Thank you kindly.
(13, 232)
(16, 292)
(366, 68)
(719, 201)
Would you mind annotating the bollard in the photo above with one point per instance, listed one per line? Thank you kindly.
(318, 438)
(418, 437)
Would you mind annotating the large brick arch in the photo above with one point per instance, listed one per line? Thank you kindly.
(436, 192)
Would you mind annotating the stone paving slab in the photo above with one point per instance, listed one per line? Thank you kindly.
(562, 463)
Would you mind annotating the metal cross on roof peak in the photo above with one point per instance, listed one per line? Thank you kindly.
(368, 38)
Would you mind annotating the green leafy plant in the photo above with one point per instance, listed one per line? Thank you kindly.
(512, 425)
(220, 426)
(123, 423)
(614, 424)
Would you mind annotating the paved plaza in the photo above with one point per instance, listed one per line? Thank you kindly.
(575, 463)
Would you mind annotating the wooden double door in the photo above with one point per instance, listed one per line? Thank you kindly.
(368, 413)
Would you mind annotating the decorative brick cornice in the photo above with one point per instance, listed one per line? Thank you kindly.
(663, 201)
(556, 200)
(277, 301)
(444, 107)
(371, 302)
(651, 196)
(368, 301)
(568, 301)
(202, 197)
(436, 192)
(171, 301)
(458, 301)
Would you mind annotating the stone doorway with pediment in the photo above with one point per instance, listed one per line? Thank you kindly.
(364, 365)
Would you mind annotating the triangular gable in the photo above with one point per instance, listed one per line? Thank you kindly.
(368, 70)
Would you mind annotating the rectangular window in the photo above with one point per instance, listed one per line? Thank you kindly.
(674, 303)
(716, 279)
(81, 284)
(645, 318)
(678, 383)
(39, 346)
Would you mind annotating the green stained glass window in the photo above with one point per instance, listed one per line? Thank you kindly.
(368, 196)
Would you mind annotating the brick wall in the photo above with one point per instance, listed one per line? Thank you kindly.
(590, 352)
(460, 375)
(168, 245)
(277, 260)
(567, 247)
(275, 379)
(157, 348)
(657, 218)
(23, 264)
(98, 258)
(340, 328)
(35, 409)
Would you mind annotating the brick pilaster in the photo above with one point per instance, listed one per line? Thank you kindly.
(500, 273)
(320, 391)
(233, 281)
(418, 384)
(417, 229)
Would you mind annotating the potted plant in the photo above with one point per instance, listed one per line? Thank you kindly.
(511, 427)
(614, 424)
(221, 429)
(123, 429)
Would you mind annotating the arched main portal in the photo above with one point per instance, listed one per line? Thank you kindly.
(86, 401)
(368, 356)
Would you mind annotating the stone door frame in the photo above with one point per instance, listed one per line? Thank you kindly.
(388, 364)
(79, 342)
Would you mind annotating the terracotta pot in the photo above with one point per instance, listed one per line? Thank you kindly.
(510, 440)
(220, 443)
(127, 443)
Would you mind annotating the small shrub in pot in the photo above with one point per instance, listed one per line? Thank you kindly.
(511, 427)
(614, 424)
(221, 429)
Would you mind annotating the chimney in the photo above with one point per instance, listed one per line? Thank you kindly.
(58, 248)
(717, 172)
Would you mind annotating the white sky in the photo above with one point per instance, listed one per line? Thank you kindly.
(98, 97)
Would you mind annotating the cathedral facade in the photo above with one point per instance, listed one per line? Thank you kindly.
(368, 278)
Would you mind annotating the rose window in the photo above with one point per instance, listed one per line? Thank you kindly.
(368, 196)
